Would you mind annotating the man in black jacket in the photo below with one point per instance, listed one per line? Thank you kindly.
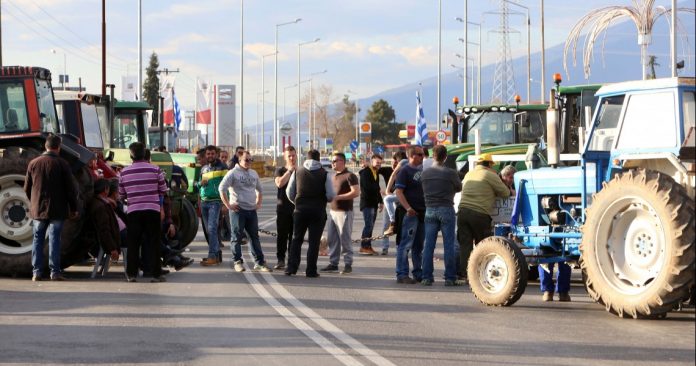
(370, 201)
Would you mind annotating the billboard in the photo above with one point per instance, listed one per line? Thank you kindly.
(225, 126)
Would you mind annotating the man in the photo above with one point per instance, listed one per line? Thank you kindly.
(103, 219)
(284, 207)
(211, 176)
(409, 191)
(143, 186)
(340, 227)
(370, 201)
(309, 189)
(245, 197)
(480, 188)
(440, 184)
(389, 200)
(238, 151)
(224, 156)
(51, 190)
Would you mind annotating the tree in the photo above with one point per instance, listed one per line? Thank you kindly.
(384, 128)
(151, 87)
(642, 13)
(652, 62)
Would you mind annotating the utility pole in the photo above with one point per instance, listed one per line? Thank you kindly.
(166, 72)
(103, 91)
(0, 33)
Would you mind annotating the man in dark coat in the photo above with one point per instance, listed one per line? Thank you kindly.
(50, 187)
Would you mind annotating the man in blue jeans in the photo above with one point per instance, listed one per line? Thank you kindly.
(245, 197)
(370, 201)
(53, 196)
(211, 176)
(409, 191)
(440, 183)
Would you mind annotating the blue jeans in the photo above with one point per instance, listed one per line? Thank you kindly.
(386, 222)
(562, 278)
(210, 213)
(241, 221)
(369, 216)
(411, 240)
(440, 219)
(390, 206)
(54, 228)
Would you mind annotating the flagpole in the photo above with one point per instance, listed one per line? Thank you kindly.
(195, 111)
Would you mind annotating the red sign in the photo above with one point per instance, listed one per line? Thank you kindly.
(411, 131)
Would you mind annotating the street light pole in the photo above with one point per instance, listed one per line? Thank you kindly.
(543, 57)
(299, 109)
(439, 61)
(241, 75)
(275, 92)
(313, 117)
(357, 111)
(263, 106)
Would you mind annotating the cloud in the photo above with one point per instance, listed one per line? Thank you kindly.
(176, 44)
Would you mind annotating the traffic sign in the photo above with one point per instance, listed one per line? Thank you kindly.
(441, 136)
(353, 145)
(286, 129)
(366, 128)
(379, 150)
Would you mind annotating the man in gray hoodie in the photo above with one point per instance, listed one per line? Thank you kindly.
(309, 189)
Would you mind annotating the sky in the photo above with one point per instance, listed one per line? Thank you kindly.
(366, 46)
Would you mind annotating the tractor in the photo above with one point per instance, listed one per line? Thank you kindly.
(624, 213)
(27, 115)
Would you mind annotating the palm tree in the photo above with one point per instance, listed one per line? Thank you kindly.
(643, 15)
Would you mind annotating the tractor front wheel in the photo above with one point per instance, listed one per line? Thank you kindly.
(497, 272)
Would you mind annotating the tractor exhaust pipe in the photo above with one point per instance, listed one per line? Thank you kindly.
(552, 152)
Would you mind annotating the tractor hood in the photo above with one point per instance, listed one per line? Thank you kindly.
(549, 181)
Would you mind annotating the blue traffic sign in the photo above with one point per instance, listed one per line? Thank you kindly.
(379, 150)
(353, 145)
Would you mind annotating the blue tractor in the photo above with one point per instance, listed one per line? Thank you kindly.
(624, 214)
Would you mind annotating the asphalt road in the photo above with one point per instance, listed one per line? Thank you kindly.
(215, 316)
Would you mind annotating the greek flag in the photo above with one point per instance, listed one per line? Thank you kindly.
(421, 126)
(177, 114)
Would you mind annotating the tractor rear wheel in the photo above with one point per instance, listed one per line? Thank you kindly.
(188, 223)
(638, 244)
(497, 272)
(15, 223)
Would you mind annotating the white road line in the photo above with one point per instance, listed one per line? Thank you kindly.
(298, 323)
(323, 323)
(263, 225)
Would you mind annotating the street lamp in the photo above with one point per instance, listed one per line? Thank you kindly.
(312, 126)
(480, 45)
(65, 73)
(465, 39)
(260, 104)
(263, 105)
(299, 70)
(529, 48)
(275, 87)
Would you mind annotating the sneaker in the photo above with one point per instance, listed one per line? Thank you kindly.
(329, 268)
(548, 296)
(455, 283)
(159, 278)
(391, 230)
(280, 265)
(207, 262)
(36, 278)
(385, 251)
(262, 268)
(406, 280)
(347, 269)
(564, 297)
(239, 266)
(427, 282)
(57, 277)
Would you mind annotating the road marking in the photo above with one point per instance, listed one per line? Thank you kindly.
(262, 225)
(311, 314)
(298, 323)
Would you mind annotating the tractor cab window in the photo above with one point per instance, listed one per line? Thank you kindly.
(102, 116)
(90, 126)
(642, 111)
(605, 123)
(125, 130)
(535, 129)
(14, 109)
(494, 127)
(47, 107)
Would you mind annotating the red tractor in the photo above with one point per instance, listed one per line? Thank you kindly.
(27, 116)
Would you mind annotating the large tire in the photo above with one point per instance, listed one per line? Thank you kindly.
(188, 223)
(638, 244)
(497, 271)
(15, 223)
(73, 247)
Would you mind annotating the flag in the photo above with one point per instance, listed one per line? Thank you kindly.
(421, 126)
(167, 92)
(177, 114)
(203, 98)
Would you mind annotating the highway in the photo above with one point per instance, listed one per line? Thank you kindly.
(215, 316)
